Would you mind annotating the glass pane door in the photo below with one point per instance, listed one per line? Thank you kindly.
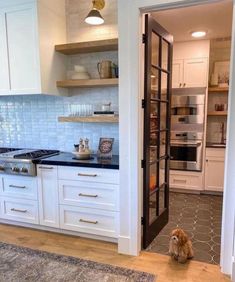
(158, 62)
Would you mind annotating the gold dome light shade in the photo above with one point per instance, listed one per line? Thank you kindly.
(94, 17)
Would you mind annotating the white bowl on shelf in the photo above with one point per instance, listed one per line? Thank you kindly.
(80, 75)
(79, 68)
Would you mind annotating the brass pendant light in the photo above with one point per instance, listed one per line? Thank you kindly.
(94, 17)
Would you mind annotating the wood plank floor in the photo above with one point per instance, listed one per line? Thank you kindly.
(166, 269)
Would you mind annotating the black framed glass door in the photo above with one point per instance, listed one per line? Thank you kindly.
(158, 75)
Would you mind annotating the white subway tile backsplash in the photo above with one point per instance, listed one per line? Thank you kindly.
(31, 121)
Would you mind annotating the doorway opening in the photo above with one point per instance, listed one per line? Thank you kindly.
(198, 113)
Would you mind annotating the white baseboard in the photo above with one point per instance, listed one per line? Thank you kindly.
(60, 231)
(233, 271)
(124, 245)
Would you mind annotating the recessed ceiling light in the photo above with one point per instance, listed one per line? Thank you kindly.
(198, 34)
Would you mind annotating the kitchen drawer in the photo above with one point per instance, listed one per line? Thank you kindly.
(88, 194)
(97, 175)
(186, 181)
(19, 210)
(91, 221)
(19, 187)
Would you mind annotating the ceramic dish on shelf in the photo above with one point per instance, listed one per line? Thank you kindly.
(82, 156)
(80, 75)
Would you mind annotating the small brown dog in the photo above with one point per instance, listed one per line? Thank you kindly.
(180, 246)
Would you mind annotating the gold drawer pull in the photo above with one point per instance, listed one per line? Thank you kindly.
(16, 186)
(45, 167)
(180, 180)
(86, 195)
(17, 210)
(85, 174)
(88, 221)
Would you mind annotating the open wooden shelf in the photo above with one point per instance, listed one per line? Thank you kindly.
(218, 89)
(87, 83)
(218, 113)
(90, 119)
(88, 47)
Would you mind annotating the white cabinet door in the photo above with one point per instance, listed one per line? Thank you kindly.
(4, 69)
(23, 49)
(214, 174)
(177, 73)
(195, 72)
(48, 195)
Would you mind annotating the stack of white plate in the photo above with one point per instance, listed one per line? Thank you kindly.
(80, 72)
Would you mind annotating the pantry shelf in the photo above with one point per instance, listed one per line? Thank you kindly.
(87, 83)
(88, 47)
(218, 89)
(90, 119)
(217, 113)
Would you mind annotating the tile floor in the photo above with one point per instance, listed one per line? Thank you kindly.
(200, 216)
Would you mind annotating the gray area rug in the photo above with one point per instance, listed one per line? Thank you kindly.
(19, 264)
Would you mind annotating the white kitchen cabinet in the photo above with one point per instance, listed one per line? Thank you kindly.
(214, 169)
(190, 72)
(186, 180)
(48, 195)
(19, 210)
(89, 200)
(28, 34)
(177, 73)
(23, 187)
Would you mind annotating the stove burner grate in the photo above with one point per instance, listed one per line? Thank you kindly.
(36, 154)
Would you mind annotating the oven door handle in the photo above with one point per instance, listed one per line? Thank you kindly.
(186, 144)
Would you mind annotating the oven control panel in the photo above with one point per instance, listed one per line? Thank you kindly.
(17, 168)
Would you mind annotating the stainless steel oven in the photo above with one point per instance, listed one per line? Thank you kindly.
(188, 109)
(186, 151)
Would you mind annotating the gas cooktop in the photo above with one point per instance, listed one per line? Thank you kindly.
(20, 161)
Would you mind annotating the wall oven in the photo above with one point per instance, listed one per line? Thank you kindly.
(186, 151)
(188, 109)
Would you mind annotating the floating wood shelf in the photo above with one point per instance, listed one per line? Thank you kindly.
(88, 47)
(90, 119)
(218, 113)
(87, 83)
(218, 89)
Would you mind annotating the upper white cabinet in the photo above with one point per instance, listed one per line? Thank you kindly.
(214, 169)
(28, 33)
(190, 73)
(190, 64)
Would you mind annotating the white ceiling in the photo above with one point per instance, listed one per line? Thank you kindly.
(215, 18)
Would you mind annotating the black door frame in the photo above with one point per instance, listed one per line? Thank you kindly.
(150, 230)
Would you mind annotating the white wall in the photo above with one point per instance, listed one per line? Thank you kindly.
(130, 91)
(79, 31)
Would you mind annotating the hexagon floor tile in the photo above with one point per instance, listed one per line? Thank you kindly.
(200, 216)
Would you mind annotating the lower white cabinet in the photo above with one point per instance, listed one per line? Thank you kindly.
(187, 180)
(19, 187)
(48, 195)
(19, 210)
(89, 194)
(83, 200)
(92, 221)
(214, 169)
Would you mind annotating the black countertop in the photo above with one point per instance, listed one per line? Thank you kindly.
(67, 159)
(215, 145)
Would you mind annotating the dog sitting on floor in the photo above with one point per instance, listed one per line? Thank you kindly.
(180, 246)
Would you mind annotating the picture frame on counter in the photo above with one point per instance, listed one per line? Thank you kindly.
(105, 149)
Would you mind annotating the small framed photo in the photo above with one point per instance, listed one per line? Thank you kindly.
(221, 70)
(105, 149)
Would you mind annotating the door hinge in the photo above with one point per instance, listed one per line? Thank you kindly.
(142, 220)
(144, 38)
(143, 103)
(142, 163)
